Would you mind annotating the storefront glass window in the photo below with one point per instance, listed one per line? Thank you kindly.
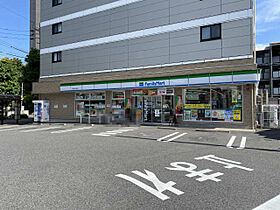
(197, 104)
(118, 102)
(92, 104)
(215, 104)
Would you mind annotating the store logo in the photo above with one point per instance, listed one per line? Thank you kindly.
(152, 84)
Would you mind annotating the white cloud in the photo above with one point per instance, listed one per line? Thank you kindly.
(268, 11)
(261, 46)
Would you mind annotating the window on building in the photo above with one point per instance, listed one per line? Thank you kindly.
(56, 2)
(57, 28)
(56, 57)
(210, 32)
(213, 104)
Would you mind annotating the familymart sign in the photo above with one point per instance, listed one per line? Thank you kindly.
(250, 76)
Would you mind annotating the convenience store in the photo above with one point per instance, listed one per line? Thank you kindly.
(213, 97)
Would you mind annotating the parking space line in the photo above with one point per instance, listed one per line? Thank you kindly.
(272, 204)
(176, 137)
(70, 130)
(165, 137)
(231, 141)
(41, 129)
(243, 143)
(8, 126)
(17, 128)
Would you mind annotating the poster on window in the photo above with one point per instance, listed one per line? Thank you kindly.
(128, 103)
(80, 109)
(207, 113)
(192, 96)
(194, 114)
(218, 114)
(237, 115)
(234, 95)
(228, 115)
(179, 105)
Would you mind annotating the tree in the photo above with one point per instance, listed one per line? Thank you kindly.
(30, 74)
(10, 72)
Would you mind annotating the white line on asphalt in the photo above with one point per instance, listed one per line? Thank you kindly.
(176, 137)
(8, 126)
(113, 132)
(41, 129)
(243, 143)
(231, 141)
(272, 204)
(17, 128)
(165, 137)
(70, 130)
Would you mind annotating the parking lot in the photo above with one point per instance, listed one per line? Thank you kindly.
(57, 166)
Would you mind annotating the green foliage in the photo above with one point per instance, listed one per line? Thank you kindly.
(30, 74)
(10, 72)
(31, 71)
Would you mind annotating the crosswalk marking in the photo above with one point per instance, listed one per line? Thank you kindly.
(165, 137)
(176, 137)
(17, 128)
(41, 129)
(70, 130)
(243, 143)
(231, 141)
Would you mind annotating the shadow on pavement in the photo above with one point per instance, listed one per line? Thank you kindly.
(199, 143)
(270, 134)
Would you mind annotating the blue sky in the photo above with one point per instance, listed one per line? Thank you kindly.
(14, 25)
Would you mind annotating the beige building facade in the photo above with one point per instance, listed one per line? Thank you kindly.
(148, 61)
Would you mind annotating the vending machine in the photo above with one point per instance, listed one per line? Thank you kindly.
(41, 111)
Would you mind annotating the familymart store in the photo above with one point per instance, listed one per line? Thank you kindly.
(214, 97)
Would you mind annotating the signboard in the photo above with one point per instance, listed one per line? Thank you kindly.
(179, 105)
(197, 106)
(228, 115)
(152, 92)
(156, 83)
(237, 115)
(192, 96)
(162, 92)
(137, 92)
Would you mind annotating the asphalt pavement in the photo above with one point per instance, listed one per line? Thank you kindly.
(72, 166)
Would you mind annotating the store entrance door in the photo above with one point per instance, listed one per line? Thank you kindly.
(152, 109)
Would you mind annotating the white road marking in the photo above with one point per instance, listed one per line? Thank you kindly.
(165, 137)
(17, 128)
(113, 132)
(41, 129)
(8, 126)
(231, 141)
(176, 137)
(272, 204)
(70, 130)
(243, 143)
(159, 185)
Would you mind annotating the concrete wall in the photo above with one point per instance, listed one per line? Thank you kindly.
(165, 48)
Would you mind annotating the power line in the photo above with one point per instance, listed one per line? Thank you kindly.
(11, 46)
(8, 29)
(19, 15)
(11, 54)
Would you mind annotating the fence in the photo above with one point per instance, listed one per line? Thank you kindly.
(270, 116)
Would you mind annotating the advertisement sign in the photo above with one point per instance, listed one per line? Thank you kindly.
(234, 95)
(218, 114)
(137, 92)
(192, 96)
(194, 114)
(128, 103)
(152, 92)
(179, 105)
(207, 113)
(237, 115)
(162, 92)
(228, 115)
(197, 106)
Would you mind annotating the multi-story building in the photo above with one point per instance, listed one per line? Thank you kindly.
(150, 60)
(268, 61)
(35, 24)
